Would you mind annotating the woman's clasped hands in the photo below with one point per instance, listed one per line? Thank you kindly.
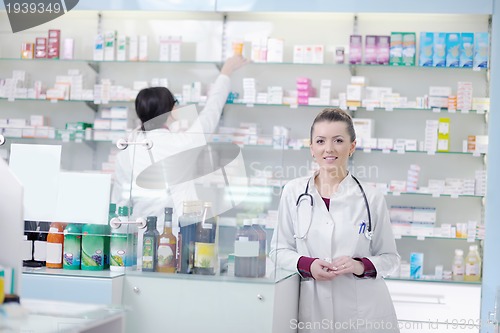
(328, 269)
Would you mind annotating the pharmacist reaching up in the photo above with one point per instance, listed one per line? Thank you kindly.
(143, 176)
(337, 235)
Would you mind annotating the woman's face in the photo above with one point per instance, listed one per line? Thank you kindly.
(331, 145)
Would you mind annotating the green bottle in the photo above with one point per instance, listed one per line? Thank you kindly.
(150, 245)
(72, 246)
(93, 247)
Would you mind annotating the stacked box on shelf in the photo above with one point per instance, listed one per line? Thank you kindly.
(305, 90)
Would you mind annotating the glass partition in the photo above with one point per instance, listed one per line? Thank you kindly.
(209, 203)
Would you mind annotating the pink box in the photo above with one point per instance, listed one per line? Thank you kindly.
(53, 44)
(303, 100)
(355, 47)
(383, 48)
(371, 49)
(306, 93)
(304, 80)
(304, 86)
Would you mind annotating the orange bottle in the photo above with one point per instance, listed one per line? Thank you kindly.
(55, 241)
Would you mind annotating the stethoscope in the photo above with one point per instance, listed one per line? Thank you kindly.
(363, 228)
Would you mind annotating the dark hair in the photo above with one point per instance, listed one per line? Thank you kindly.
(335, 114)
(151, 103)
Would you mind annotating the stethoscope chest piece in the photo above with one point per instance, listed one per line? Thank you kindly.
(369, 234)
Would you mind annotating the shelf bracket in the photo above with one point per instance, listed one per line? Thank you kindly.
(92, 105)
(223, 40)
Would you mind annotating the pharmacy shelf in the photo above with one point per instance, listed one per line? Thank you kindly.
(107, 274)
(295, 106)
(421, 237)
(453, 196)
(434, 280)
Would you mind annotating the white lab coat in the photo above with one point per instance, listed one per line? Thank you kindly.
(135, 159)
(346, 303)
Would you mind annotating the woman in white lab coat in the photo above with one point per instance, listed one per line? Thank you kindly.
(323, 234)
(155, 108)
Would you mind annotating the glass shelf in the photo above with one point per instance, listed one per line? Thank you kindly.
(435, 195)
(385, 151)
(435, 237)
(432, 280)
(106, 274)
(344, 65)
(296, 106)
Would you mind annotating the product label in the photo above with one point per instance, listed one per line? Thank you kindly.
(472, 269)
(54, 253)
(118, 250)
(246, 248)
(40, 252)
(72, 251)
(92, 251)
(204, 255)
(147, 253)
(166, 255)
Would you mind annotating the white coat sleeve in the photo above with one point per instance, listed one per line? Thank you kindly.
(210, 115)
(283, 245)
(122, 179)
(385, 256)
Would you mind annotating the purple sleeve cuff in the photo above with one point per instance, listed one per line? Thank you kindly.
(370, 271)
(304, 266)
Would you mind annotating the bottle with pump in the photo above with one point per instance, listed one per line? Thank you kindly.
(458, 267)
(187, 236)
(472, 265)
(205, 249)
(72, 246)
(261, 267)
(167, 246)
(150, 245)
(55, 241)
(246, 251)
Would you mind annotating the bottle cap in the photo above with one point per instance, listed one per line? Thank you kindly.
(112, 207)
(123, 211)
(459, 252)
(151, 220)
(169, 210)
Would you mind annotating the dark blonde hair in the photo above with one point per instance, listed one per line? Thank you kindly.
(332, 115)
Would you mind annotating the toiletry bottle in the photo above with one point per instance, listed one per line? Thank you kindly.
(187, 235)
(93, 247)
(261, 267)
(205, 249)
(458, 268)
(246, 251)
(472, 265)
(40, 244)
(120, 250)
(72, 246)
(55, 241)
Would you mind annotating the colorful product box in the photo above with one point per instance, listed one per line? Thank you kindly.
(439, 55)
(27, 51)
(443, 135)
(409, 48)
(99, 47)
(109, 45)
(426, 49)
(53, 44)
(355, 47)
(371, 50)
(40, 47)
(481, 49)
(466, 49)
(453, 49)
(396, 49)
(383, 44)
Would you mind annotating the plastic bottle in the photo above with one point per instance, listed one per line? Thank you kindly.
(121, 246)
(150, 245)
(55, 241)
(93, 247)
(72, 246)
(261, 266)
(187, 235)
(167, 247)
(472, 265)
(205, 248)
(246, 251)
(2, 292)
(458, 268)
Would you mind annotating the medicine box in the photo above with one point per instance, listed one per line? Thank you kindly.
(383, 49)
(481, 49)
(409, 48)
(355, 47)
(426, 49)
(370, 49)
(453, 49)
(396, 49)
(466, 49)
(439, 54)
